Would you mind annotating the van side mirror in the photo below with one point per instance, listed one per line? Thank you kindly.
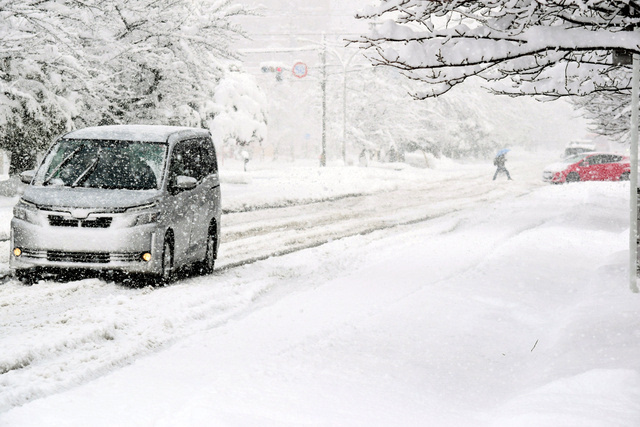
(27, 176)
(185, 183)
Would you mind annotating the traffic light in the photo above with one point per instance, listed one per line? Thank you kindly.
(276, 69)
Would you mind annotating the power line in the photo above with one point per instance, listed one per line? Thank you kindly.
(288, 15)
(306, 34)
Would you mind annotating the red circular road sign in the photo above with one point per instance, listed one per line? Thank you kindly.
(300, 70)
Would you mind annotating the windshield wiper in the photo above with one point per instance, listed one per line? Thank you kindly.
(62, 164)
(84, 175)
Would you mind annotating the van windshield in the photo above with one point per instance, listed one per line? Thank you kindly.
(103, 164)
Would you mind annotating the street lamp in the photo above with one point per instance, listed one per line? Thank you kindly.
(345, 66)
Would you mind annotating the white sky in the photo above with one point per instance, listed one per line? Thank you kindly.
(295, 24)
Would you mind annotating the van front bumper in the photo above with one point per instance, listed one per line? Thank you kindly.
(118, 249)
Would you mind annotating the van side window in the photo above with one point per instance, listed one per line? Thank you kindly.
(181, 162)
(209, 161)
(195, 158)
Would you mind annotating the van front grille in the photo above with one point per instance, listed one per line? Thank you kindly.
(89, 257)
(80, 257)
(98, 222)
(60, 221)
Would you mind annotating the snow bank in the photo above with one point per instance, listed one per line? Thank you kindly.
(287, 183)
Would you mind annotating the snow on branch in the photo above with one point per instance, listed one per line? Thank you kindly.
(519, 47)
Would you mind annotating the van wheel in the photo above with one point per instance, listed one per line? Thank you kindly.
(207, 265)
(625, 176)
(27, 277)
(167, 263)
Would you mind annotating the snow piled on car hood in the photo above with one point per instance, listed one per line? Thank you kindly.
(88, 197)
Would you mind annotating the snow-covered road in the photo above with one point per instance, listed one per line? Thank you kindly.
(350, 309)
(56, 335)
(262, 233)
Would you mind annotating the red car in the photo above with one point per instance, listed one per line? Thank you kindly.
(589, 167)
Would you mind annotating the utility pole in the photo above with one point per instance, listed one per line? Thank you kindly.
(323, 156)
(633, 178)
(345, 66)
(344, 116)
(623, 57)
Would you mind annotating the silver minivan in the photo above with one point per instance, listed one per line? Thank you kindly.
(129, 198)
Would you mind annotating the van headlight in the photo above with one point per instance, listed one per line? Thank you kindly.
(26, 211)
(146, 218)
(144, 214)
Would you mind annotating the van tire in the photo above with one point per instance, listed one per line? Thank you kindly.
(207, 265)
(166, 274)
(27, 277)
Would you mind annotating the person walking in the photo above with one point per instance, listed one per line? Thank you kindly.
(499, 161)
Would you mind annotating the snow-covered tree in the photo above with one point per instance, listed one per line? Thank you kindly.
(384, 129)
(41, 74)
(553, 47)
(385, 120)
(66, 63)
(609, 114)
(164, 57)
(457, 128)
(236, 114)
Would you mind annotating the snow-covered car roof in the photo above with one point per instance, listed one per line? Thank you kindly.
(593, 153)
(581, 144)
(143, 133)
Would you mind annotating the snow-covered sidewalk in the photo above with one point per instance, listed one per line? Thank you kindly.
(511, 314)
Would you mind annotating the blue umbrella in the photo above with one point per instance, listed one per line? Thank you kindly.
(503, 152)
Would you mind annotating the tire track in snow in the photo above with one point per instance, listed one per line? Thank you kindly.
(254, 236)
